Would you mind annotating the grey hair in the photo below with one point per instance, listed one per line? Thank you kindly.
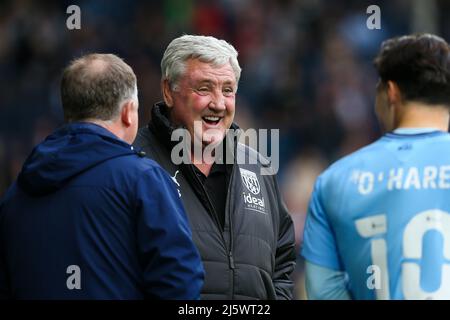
(204, 48)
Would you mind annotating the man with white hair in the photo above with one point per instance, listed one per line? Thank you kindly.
(239, 221)
(89, 216)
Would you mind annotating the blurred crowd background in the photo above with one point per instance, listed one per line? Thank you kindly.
(307, 69)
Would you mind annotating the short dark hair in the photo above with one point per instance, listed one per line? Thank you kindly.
(94, 85)
(419, 64)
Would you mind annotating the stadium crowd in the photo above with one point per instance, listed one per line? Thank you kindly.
(307, 69)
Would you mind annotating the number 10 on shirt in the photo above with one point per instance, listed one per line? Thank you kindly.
(412, 247)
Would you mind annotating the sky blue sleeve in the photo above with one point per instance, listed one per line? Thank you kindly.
(319, 244)
(171, 263)
(325, 284)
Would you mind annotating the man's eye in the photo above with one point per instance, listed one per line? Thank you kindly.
(202, 90)
(228, 91)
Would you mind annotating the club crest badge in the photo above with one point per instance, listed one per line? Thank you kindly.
(250, 181)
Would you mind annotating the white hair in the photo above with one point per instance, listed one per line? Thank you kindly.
(204, 48)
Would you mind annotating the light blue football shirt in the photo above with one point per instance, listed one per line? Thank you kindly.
(382, 215)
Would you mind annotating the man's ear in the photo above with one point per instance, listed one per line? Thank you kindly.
(167, 93)
(393, 93)
(126, 114)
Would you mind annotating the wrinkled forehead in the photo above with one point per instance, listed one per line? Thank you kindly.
(197, 70)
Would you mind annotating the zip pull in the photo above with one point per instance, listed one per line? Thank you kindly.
(231, 260)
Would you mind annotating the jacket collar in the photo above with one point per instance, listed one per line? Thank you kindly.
(160, 124)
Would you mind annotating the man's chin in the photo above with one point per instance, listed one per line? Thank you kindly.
(206, 142)
(212, 142)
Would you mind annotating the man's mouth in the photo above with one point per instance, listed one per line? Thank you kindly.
(211, 120)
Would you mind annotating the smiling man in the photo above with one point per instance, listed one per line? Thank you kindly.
(239, 222)
(208, 92)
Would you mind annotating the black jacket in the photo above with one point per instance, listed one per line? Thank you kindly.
(253, 257)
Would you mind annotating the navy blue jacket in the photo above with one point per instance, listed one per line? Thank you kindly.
(91, 218)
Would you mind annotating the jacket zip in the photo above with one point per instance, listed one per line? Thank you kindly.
(210, 206)
(216, 219)
(230, 253)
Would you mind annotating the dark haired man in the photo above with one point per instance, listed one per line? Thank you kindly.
(378, 224)
(89, 217)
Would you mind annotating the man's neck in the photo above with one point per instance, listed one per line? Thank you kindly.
(203, 164)
(205, 161)
(109, 125)
(204, 168)
(416, 115)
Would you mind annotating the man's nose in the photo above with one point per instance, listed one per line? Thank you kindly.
(217, 102)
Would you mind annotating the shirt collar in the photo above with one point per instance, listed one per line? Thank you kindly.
(414, 130)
